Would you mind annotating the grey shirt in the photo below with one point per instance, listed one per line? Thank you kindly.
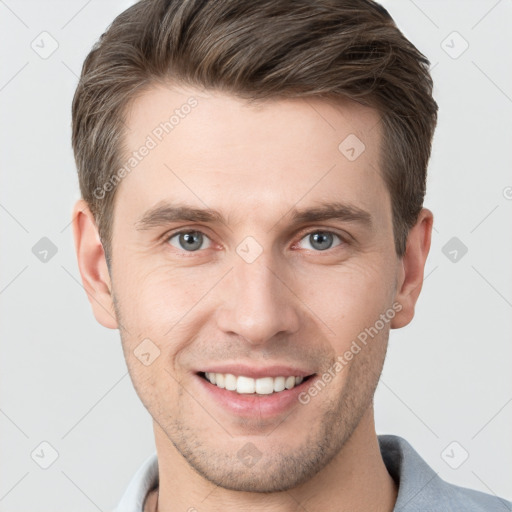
(419, 487)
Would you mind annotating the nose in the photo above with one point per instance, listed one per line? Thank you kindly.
(258, 303)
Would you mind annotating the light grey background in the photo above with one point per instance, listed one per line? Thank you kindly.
(63, 379)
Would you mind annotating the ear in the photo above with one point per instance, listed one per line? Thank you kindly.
(93, 265)
(412, 266)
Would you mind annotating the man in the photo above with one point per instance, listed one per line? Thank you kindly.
(252, 175)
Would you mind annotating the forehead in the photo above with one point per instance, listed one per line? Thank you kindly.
(210, 148)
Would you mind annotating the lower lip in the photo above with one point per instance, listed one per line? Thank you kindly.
(250, 405)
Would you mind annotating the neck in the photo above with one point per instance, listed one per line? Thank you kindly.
(355, 479)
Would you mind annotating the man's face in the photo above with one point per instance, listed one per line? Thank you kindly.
(255, 289)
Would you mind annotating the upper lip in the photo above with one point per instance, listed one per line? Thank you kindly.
(257, 371)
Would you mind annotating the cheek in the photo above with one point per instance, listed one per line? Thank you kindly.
(347, 298)
(153, 301)
(155, 385)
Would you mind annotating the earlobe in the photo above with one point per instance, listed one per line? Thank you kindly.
(410, 280)
(92, 265)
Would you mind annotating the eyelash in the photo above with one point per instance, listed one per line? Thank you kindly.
(343, 240)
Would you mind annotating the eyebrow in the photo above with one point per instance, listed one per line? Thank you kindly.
(163, 213)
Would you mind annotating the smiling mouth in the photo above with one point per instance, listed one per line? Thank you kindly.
(247, 385)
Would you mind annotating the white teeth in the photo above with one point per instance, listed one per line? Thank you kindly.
(230, 382)
(279, 383)
(219, 380)
(248, 385)
(245, 385)
(289, 383)
(265, 386)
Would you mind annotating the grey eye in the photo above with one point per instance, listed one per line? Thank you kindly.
(188, 240)
(320, 240)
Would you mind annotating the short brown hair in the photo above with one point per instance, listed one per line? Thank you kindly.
(259, 49)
